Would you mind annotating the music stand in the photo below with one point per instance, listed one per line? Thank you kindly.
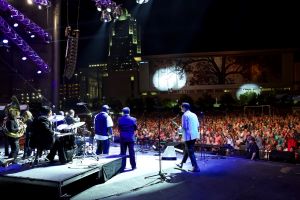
(162, 176)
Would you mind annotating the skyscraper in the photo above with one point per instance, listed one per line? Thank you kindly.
(124, 43)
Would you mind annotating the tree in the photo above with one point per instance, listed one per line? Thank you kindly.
(213, 70)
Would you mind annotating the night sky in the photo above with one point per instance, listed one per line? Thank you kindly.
(186, 26)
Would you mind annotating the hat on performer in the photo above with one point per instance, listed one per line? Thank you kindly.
(126, 110)
(105, 108)
(186, 105)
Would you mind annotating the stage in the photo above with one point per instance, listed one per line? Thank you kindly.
(221, 177)
(55, 180)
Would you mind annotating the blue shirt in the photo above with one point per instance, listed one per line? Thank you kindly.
(101, 123)
(127, 126)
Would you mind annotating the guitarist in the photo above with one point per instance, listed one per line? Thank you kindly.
(190, 132)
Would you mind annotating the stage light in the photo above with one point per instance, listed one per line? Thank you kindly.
(24, 58)
(16, 25)
(109, 10)
(30, 2)
(32, 36)
(142, 1)
(41, 3)
(5, 41)
(39, 72)
(105, 16)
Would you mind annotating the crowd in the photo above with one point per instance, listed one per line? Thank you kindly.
(275, 132)
(235, 131)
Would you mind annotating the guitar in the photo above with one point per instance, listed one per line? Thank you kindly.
(179, 130)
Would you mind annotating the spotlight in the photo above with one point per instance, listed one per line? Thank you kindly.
(109, 9)
(16, 24)
(24, 58)
(5, 41)
(142, 1)
(39, 72)
(32, 36)
(41, 3)
(29, 2)
(105, 16)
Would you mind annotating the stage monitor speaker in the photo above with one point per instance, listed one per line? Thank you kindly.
(169, 153)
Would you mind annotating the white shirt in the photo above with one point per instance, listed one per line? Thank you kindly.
(109, 123)
(190, 126)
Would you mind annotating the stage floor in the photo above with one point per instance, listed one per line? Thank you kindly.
(221, 178)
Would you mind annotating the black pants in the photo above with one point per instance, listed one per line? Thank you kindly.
(130, 146)
(14, 147)
(189, 148)
(27, 149)
(102, 147)
(58, 147)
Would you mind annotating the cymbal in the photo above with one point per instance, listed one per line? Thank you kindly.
(62, 127)
(76, 125)
(56, 118)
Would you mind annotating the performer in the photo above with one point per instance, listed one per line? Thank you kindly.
(127, 126)
(70, 117)
(15, 128)
(42, 134)
(28, 119)
(253, 152)
(190, 132)
(44, 138)
(103, 130)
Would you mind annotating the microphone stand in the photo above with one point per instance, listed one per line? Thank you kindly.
(162, 176)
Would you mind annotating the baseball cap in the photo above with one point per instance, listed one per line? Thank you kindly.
(105, 107)
(126, 110)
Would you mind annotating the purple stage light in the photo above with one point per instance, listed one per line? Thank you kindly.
(42, 3)
(27, 50)
(109, 9)
(22, 19)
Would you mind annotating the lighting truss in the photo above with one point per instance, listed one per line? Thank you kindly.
(22, 19)
(11, 34)
(17, 40)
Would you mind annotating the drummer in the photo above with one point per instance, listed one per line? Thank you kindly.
(63, 121)
(70, 117)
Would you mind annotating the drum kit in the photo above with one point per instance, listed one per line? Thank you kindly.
(72, 134)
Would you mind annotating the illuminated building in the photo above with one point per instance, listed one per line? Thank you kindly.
(124, 43)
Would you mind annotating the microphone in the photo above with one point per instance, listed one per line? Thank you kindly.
(81, 103)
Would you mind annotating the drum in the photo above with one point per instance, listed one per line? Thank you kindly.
(83, 131)
(69, 147)
(68, 140)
